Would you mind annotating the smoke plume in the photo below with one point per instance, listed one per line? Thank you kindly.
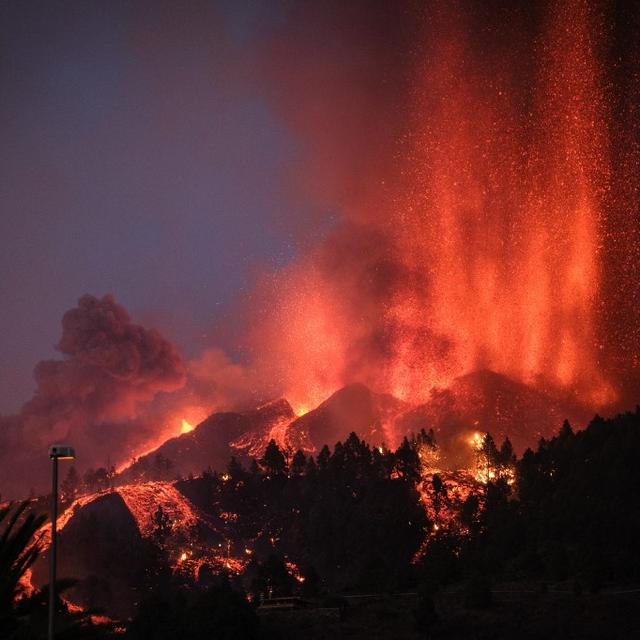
(109, 368)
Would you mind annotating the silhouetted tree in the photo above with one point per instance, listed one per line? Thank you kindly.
(407, 463)
(161, 525)
(71, 484)
(17, 553)
(101, 479)
(273, 460)
(323, 458)
(439, 492)
(311, 469)
(298, 463)
(25, 617)
(235, 469)
(89, 480)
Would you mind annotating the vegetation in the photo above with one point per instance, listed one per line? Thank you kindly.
(18, 551)
(354, 515)
(563, 517)
(213, 613)
(23, 614)
(562, 520)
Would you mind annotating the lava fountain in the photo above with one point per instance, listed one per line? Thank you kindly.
(505, 211)
(486, 249)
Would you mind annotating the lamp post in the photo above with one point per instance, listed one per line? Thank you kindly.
(56, 452)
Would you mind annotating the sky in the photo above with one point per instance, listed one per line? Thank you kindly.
(299, 195)
(136, 161)
(241, 175)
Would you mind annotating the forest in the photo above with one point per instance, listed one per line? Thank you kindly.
(560, 521)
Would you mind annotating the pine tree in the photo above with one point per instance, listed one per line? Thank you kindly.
(311, 470)
(235, 469)
(273, 460)
(407, 463)
(439, 492)
(323, 458)
(298, 463)
(71, 484)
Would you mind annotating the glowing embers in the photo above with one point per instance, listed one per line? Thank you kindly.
(443, 495)
(491, 463)
(503, 210)
(159, 509)
(294, 571)
(476, 440)
(215, 559)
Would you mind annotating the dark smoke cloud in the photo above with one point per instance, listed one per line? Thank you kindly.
(110, 368)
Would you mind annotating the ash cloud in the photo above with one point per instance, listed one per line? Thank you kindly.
(91, 396)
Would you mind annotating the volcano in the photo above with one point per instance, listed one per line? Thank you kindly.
(482, 401)
(489, 402)
(212, 443)
(200, 531)
(354, 408)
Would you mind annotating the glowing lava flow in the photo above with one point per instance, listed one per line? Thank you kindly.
(143, 500)
(65, 516)
(186, 426)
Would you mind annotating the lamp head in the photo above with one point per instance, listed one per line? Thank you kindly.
(61, 452)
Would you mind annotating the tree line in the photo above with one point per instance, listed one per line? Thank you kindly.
(360, 518)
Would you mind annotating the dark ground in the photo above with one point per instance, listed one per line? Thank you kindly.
(557, 613)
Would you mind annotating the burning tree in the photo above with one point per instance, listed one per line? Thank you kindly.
(491, 463)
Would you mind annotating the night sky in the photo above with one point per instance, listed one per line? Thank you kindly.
(140, 157)
(263, 183)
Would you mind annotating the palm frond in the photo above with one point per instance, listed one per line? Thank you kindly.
(19, 549)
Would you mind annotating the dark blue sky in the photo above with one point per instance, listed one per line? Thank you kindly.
(136, 159)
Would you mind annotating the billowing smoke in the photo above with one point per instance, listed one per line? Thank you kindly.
(110, 367)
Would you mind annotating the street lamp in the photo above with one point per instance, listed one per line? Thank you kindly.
(56, 452)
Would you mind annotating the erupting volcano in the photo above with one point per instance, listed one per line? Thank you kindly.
(381, 269)
(495, 244)
(483, 169)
